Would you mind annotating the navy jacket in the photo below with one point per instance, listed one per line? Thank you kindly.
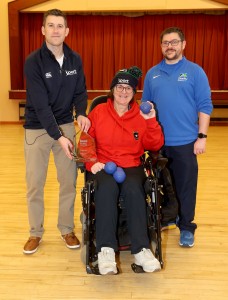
(53, 93)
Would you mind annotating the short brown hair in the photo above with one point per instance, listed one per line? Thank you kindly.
(171, 30)
(54, 12)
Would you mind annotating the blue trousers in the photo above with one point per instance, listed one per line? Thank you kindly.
(184, 170)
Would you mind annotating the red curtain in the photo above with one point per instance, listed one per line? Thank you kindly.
(108, 43)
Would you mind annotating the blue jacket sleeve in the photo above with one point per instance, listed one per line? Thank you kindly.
(203, 93)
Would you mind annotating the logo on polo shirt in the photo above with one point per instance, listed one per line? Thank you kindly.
(183, 77)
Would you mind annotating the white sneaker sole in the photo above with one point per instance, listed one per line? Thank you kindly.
(150, 269)
(186, 245)
(32, 251)
(108, 271)
(155, 269)
(71, 247)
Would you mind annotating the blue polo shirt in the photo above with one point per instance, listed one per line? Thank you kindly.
(179, 91)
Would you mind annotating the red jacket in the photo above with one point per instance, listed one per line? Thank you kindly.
(123, 139)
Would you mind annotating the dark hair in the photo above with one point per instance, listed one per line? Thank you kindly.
(54, 12)
(110, 94)
(171, 30)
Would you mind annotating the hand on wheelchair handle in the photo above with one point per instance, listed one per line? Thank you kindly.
(98, 166)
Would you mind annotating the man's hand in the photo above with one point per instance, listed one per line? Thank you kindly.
(67, 145)
(200, 146)
(83, 123)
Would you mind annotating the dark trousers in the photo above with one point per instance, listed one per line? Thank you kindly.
(184, 170)
(106, 200)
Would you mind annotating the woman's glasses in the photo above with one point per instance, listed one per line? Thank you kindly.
(121, 88)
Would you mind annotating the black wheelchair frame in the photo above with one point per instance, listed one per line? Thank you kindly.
(154, 193)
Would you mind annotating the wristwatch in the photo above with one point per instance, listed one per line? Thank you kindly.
(202, 135)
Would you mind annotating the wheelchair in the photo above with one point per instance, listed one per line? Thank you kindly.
(153, 166)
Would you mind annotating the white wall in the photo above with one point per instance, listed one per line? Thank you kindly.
(8, 108)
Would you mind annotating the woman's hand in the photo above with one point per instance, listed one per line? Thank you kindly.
(151, 114)
(97, 167)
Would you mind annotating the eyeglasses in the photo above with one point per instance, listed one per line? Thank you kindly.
(172, 43)
(121, 88)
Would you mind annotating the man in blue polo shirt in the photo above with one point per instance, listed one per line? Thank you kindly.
(181, 93)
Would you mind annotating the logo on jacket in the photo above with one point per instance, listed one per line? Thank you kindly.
(183, 77)
(69, 73)
(156, 76)
(136, 135)
(48, 75)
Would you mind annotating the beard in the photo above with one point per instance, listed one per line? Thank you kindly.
(172, 54)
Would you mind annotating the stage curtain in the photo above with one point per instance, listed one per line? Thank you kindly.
(108, 43)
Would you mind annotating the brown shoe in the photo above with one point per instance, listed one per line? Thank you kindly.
(32, 244)
(71, 240)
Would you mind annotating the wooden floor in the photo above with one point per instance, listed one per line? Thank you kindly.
(55, 272)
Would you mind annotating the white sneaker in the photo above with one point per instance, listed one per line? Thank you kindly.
(147, 261)
(106, 261)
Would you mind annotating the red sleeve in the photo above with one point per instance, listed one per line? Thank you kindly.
(153, 138)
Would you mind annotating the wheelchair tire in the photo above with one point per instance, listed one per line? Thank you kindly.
(83, 257)
(82, 217)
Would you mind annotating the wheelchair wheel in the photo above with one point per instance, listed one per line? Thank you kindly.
(93, 255)
(82, 217)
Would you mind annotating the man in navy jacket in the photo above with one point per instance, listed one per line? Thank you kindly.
(56, 90)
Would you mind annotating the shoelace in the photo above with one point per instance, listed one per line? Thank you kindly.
(147, 253)
(70, 235)
(106, 254)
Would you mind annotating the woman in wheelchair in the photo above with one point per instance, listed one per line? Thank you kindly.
(122, 133)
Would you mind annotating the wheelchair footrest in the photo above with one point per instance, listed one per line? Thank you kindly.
(137, 268)
(95, 270)
(92, 270)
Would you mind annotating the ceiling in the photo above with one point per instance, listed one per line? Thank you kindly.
(222, 1)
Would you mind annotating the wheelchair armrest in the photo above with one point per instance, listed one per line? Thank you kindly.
(161, 163)
(81, 166)
(158, 161)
